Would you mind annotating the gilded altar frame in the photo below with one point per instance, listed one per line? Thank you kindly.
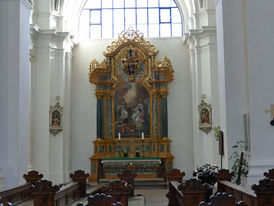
(130, 66)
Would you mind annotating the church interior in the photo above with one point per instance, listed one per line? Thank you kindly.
(95, 90)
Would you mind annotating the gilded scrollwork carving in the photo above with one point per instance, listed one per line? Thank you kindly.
(98, 73)
(163, 69)
(127, 37)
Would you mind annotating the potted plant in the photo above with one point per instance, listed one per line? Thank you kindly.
(240, 165)
(217, 131)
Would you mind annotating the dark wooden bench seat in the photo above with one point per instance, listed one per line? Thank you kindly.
(21, 193)
(95, 189)
(190, 193)
(46, 194)
(240, 193)
(100, 200)
(16, 195)
(223, 199)
(259, 195)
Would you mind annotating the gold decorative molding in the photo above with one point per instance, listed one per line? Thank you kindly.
(161, 93)
(163, 68)
(97, 70)
(271, 111)
(102, 93)
(127, 37)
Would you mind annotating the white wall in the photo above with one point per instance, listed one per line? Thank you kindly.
(83, 102)
(233, 69)
(245, 52)
(260, 29)
(14, 90)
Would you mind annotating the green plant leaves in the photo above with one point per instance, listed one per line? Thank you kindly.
(235, 156)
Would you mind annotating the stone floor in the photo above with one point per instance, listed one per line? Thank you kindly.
(153, 196)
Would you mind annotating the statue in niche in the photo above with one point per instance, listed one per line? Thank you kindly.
(131, 110)
(56, 118)
(205, 114)
(56, 114)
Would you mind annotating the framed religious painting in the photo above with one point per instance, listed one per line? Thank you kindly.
(56, 119)
(205, 116)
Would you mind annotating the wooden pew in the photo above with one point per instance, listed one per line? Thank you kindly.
(190, 193)
(270, 174)
(174, 175)
(100, 200)
(119, 190)
(5, 204)
(45, 194)
(265, 192)
(224, 200)
(20, 193)
(240, 193)
(129, 177)
(81, 177)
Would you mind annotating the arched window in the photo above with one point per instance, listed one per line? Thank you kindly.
(108, 18)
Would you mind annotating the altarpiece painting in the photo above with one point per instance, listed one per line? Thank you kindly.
(131, 91)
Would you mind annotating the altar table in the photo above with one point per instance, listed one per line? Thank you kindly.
(147, 167)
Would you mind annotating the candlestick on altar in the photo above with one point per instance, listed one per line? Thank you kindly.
(119, 136)
(143, 136)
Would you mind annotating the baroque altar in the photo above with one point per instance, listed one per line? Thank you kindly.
(131, 91)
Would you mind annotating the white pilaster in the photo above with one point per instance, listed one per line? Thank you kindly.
(14, 90)
(203, 54)
(50, 75)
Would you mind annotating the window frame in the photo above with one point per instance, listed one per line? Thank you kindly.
(135, 25)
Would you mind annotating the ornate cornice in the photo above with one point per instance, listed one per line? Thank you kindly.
(102, 93)
(202, 32)
(161, 92)
(97, 70)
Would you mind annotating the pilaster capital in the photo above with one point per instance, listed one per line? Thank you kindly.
(203, 32)
(50, 37)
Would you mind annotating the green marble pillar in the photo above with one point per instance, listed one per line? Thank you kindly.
(100, 118)
(109, 119)
(163, 118)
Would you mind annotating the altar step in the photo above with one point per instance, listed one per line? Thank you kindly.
(141, 183)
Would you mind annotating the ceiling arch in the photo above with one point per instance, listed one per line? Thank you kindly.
(72, 9)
